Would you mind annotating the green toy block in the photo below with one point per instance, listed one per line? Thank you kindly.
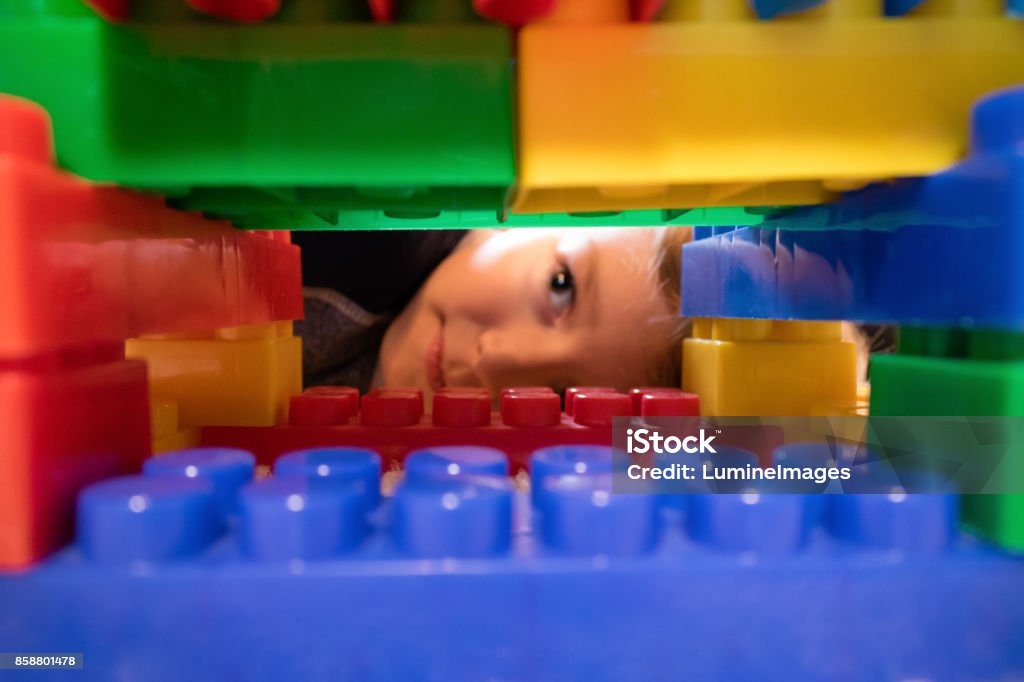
(405, 219)
(911, 385)
(298, 120)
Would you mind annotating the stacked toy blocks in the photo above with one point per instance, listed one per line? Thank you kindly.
(942, 371)
(939, 251)
(770, 367)
(288, 124)
(83, 268)
(193, 567)
(238, 376)
(710, 106)
(393, 421)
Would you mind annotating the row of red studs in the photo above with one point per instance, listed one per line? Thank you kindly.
(471, 407)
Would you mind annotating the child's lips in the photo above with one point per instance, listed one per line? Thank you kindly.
(433, 361)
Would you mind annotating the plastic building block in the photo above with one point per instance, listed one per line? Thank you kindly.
(769, 9)
(696, 113)
(383, 11)
(766, 367)
(587, 12)
(68, 421)
(911, 385)
(168, 434)
(514, 12)
(644, 10)
(294, 120)
(237, 10)
(572, 575)
(233, 377)
(114, 10)
(84, 264)
(939, 250)
(392, 421)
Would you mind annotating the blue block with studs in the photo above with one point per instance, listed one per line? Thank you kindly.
(459, 576)
(889, 252)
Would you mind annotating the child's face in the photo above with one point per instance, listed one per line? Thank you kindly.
(551, 307)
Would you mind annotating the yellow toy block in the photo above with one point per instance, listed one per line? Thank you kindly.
(719, 109)
(784, 369)
(167, 433)
(235, 377)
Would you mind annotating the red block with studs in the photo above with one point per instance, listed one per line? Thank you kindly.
(69, 419)
(84, 264)
(392, 421)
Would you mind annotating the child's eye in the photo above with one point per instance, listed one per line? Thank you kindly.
(563, 290)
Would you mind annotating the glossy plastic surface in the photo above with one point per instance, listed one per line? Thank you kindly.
(287, 124)
(66, 423)
(918, 384)
(387, 594)
(713, 107)
(81, 263)
(392, 422)
(231, 377)
(770, 367)
(939, 250)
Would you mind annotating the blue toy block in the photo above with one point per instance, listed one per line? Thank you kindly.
(888, 253)
(348, 466)
(897, 8)
(227, 470)
(769, 9)
(458, 577)
(455, 460)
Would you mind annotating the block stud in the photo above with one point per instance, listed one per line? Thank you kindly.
(296, 517)
(571, 393)
(560, 460)
(455, 461)
(461, 409)
(752, 520)
(876, 512)
(359, 468)
(392, 408)
(998, 122)
(598, 409)
(25, 130)
(227, 470)
(147, 518)
(454, 517)
(583, 516)
(531, 409)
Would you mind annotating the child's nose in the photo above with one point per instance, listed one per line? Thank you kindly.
(518, 355)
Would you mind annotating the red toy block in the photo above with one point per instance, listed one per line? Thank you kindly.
(392, 408)
(598, 409)
(82, 264)
(461, 409)
(111, 10)
(324, 406)
(383, 11)
(531, 409)
(392, 423)
(514, 12)
(571, 393)
(347, 393)
(67, 422)
(653, 401)
(244, 11)
(645, 10)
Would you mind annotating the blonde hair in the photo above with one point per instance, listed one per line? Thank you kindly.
(667, 268)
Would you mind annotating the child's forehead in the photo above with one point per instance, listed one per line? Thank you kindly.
(627, 246)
